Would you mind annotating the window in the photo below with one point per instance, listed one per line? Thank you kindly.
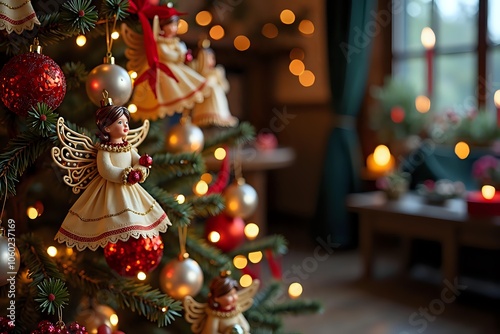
(466, 56)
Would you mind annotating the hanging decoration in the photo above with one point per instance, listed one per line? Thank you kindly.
(241, 199)
(183, 276)
(130, 257)
(110, 77)
(17, 16)
(184, 137)
(31, 78)
(48, 327)
(96, 317)
(225, 232)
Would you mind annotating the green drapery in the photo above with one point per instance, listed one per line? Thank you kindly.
(349, 44)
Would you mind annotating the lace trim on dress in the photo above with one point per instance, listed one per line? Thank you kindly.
(114, 147)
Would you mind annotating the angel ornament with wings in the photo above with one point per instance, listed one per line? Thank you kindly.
(113, 205)
(223, 312)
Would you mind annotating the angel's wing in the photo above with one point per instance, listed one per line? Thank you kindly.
(195, 313)
(136, 136)
(135, 51)
(245, 296)
(77, 155)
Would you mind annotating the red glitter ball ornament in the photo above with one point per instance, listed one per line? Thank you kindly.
(229, 231)
(30, 78)
(130, 257)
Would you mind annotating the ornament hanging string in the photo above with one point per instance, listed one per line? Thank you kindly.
(109, 40)
(238, 174)
(182, 240)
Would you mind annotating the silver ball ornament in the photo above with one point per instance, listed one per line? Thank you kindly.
(180, 278)
(112, 78)
(184, 137)
(10, 259)
(95, 316)
(241, 199)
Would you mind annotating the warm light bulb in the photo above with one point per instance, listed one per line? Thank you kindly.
(241, 43)
(132, 108)
(488, 191)
(382, 155)
(132, 74)
(251, 231)
(246, 281)
(216, 32)
(52, 251)
(462, 150)
(422, 104)
(183, 27)
(32, 212)
(201, 188)
(141, 276)
(207, 177)
(496, 98)
(297, 67)
(295, 290)
(307, 78)
(428, 38)
(81, 40)
(203, 18)
(255, 257)
(115, 35)
(180, 198)
(287, 16)
(69, 251)
(220, 153)
(214, 237)
(113, 319)
(240, 261)
(306, 27)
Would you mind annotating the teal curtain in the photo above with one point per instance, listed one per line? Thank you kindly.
(349, 46)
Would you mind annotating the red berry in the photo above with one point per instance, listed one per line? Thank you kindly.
(81, 13)
(43, 117)
(51, 297)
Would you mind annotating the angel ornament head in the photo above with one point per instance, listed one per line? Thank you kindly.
(113, 206)
(223, 312)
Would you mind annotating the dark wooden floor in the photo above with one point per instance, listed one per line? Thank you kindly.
(392, 303)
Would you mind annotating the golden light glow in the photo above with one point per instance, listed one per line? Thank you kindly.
(496, 98)
(287, 16)
(220, 153)
(246, 280)
(183, 27)
(422, 104)
(32, 212)
(81, 40)
(428, 38)
(241, 43)
(251, 231)
(180, 198)
(115, 35)
(52, 251)
(297, 53)
(240, 261)
(488, 191)
(296, 67)
(69, 251)
(295, 290)
(201, 188)
(113, 319)
(214, 237)
(306, 27)
(269, 30)
(216, 32)
(132, 108)
(141, 276)
(462, 150)
(255, 257)
(164, 309)
(132, 74)
(207, 177)
(204, 18)
(382, 155)
(307, 78)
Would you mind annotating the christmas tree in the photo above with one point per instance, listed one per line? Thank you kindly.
(50, 102)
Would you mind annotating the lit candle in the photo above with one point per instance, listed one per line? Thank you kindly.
(496, 99)
(381, 160)
(428, 41)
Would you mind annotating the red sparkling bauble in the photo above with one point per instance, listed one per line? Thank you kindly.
(230, 230)
(30, 78)
(130, 257)
(146, 160)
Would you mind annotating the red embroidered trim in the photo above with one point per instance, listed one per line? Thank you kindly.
(16, 22)
(110, 233)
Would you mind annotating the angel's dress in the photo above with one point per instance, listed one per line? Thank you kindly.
(214, 110)
(171, 96)
(109, 210)
(222, 322)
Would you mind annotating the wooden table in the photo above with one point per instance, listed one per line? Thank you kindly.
(410, 217)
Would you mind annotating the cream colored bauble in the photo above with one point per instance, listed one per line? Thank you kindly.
(241, 199)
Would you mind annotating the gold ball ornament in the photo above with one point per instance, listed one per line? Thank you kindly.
(95, 316)
(10, 259)
(184, 137)
(181, 277)
(112, 78)
(241, 199)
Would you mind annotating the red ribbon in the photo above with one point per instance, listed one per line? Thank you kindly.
(146, 11)
(274, 265)
(222, 176)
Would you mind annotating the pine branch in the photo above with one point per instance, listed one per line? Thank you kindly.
(266, 294)
(207, 206)
(263, 320)
(210, 259)
(295, 307)
(26, 315)
(276, 243)
(239, 135)
(179, 214)
(168, 166)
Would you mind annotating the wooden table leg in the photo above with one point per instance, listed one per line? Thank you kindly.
(449, 264)
(366, 245)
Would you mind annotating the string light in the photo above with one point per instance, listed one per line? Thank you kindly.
(81, 40)
(182, 27)
(240, 261)
(203, 18)
(216, 32)
(306, 27)
(32, 212)
(422, 104)
(246, 280)
(113, 319)
(251, 231)
(180, 198)
(297, 67)
(141, 276)
(488, 191)
(295, 290)
(219, 153)
(241, 43)
(207, 177)
(214, 237)
(115, 35)
(462, 150)
(255, 257)
(307, 78)
(132, 108)
(201, 188)
(52, 251)
(287, 16)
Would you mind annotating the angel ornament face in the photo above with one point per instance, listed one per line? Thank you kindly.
(223, 312)
(113, 205)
